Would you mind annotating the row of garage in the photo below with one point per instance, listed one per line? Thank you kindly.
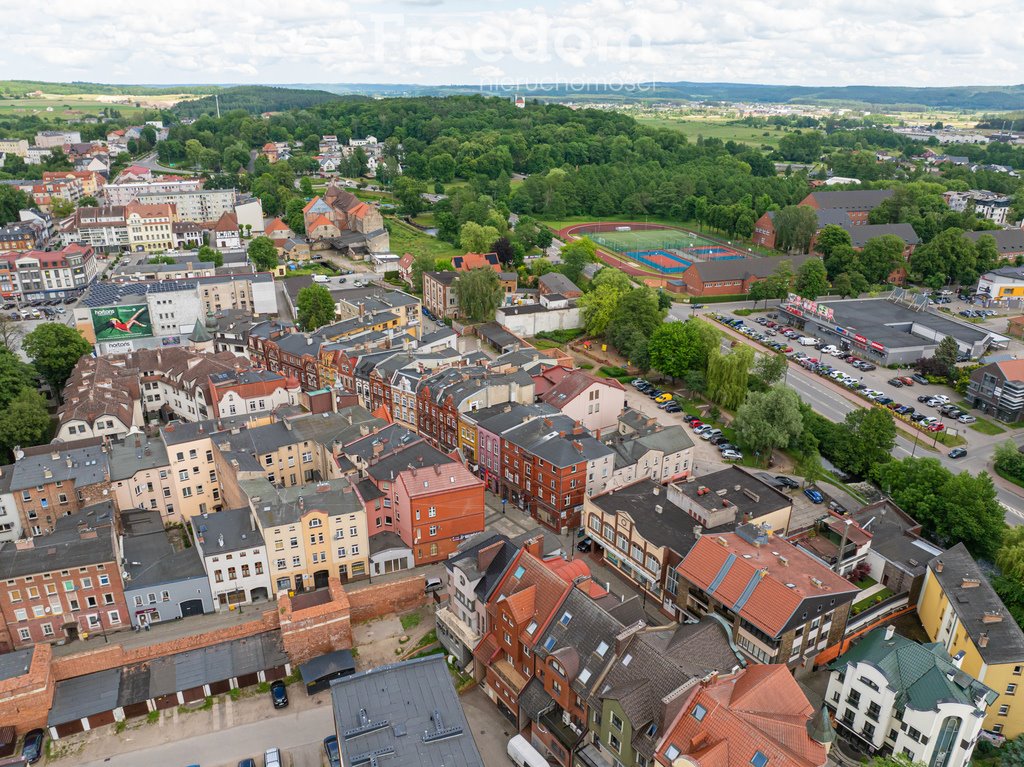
(104, 697)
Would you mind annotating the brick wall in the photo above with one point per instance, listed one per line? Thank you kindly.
(319, 629)
(387, 598)
(114, 655)
(25, 699)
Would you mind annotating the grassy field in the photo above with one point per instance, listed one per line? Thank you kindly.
(406, 239)
(721, 129)
(651, 239)
(84, 104)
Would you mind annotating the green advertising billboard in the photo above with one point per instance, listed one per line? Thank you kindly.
(116, 322)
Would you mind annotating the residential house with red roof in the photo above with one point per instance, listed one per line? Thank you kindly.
(757, 716)
(150, 226)
(594, 402)
(135, 173)
(405, 268)
(359, 224)
(225, 232)
(91, 181)
(518, 614)
(278, 231)
(783, 605)
(472, 261)
(47, 274)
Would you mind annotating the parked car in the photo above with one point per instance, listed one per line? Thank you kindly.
(673, 407)
(957, 452)
(919, 378)
(717, 440)
(936, 427)
(866, 366)
(710, 434)
(250, 762)
(432, 584)
(895, 382)
(662, 398)
(907, 380)
(924, 398)
(279, 694)
(332, 751)
(785, 481)
(702, 429)
(272, 757)
(732, 455)
(32, 748)
(967, 419)
(814, 494)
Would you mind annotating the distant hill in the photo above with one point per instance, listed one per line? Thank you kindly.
(12, 88)
(255, 99)
(975, 97)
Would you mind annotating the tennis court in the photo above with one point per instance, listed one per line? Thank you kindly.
(661, 260)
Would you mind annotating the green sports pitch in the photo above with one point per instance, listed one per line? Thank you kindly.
(640, 240)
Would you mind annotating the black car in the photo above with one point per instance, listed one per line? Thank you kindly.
(924, 397)
(32, 748)
(673, 407)
(785, 481)
(279, 694)
(584, 545)
(895, 382)
(717, 440)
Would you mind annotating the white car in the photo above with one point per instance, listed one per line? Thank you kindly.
(829, 350)
(272, 757)
(967, 419)
(732, 455)
(703, 428)
(941, 398)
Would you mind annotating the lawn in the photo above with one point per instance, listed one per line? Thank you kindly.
(410, 620)
(864, 604)
(407, 239)
(720, 129)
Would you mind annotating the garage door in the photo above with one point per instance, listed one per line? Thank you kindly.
(220, 688)
(101, 719)
(247, 680)
(274, 673)
(136, 709)
(165, 702)
(191, 607)
(70, 728)
(193, 694)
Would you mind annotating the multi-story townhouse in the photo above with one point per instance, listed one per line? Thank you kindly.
(961, 611)
(17, 236)
(312, 533)
(892, 695)
(550, 465)
(662, 455)
(234, 556)
(518, 613)
(141, 476)
(149, 226)
(67, 586)
(123, 193)
(92, 182)
(471, 575)
(104, 228)
(782, 605)
(633, 700)
(594, 402)
(439, 298)
(430, 500)
(197, 487)
(162, 581)
(485, 427)
(15, 146)
(51, 481)
(642, 531)
(44, 274)
(738, 716)
(57, 138)
(10, 519)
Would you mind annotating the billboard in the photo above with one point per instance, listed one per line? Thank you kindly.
(114, 323)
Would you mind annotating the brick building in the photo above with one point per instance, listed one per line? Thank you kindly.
(731, 276)
(48, 483)
(65, 586)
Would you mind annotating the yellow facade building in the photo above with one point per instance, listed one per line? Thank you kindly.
(960, 610)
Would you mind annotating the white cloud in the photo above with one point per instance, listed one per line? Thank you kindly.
(914, 42)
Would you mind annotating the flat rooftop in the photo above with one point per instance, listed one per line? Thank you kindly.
(889, 324)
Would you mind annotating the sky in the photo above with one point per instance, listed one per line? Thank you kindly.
(430, 42)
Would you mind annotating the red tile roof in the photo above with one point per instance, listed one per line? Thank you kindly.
(476, 261)
(1012, 369)
(786, 577)
(521, 604)
(319, 221)
(760, 708)
(570, 385)
(228, 222)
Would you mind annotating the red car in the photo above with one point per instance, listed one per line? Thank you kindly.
(787, 350)
(907, 380)
(936, 427)
(696, 425)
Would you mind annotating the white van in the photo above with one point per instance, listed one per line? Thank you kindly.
(523, 754)
(320, 278)
(807, 340)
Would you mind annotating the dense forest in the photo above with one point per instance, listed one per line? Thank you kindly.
(254, 99)
(14, 88)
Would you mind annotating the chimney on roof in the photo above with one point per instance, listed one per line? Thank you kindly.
(55, 454)
(983, 639)
(970, 582)
(992, 616)
(577, 428)
(23, 543)
(287, 424)
(220, 540)
(938, 565)
(578, 445)
(889, 631)
(486, 555)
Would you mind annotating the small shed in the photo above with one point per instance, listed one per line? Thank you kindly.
(318, 672)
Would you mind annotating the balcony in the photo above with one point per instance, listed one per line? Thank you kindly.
(457, 628)
(554, 721)
(507, 673)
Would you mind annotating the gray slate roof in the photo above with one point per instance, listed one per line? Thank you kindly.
(234, 525)
(15, 663)
(428, 727)
(148, 545)
(64, 548)
(286, 505)
(89, 466)
(1005, 638)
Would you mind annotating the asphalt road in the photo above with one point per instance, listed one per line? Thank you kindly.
(834, 406)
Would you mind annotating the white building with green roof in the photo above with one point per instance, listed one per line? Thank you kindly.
(893, 695)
